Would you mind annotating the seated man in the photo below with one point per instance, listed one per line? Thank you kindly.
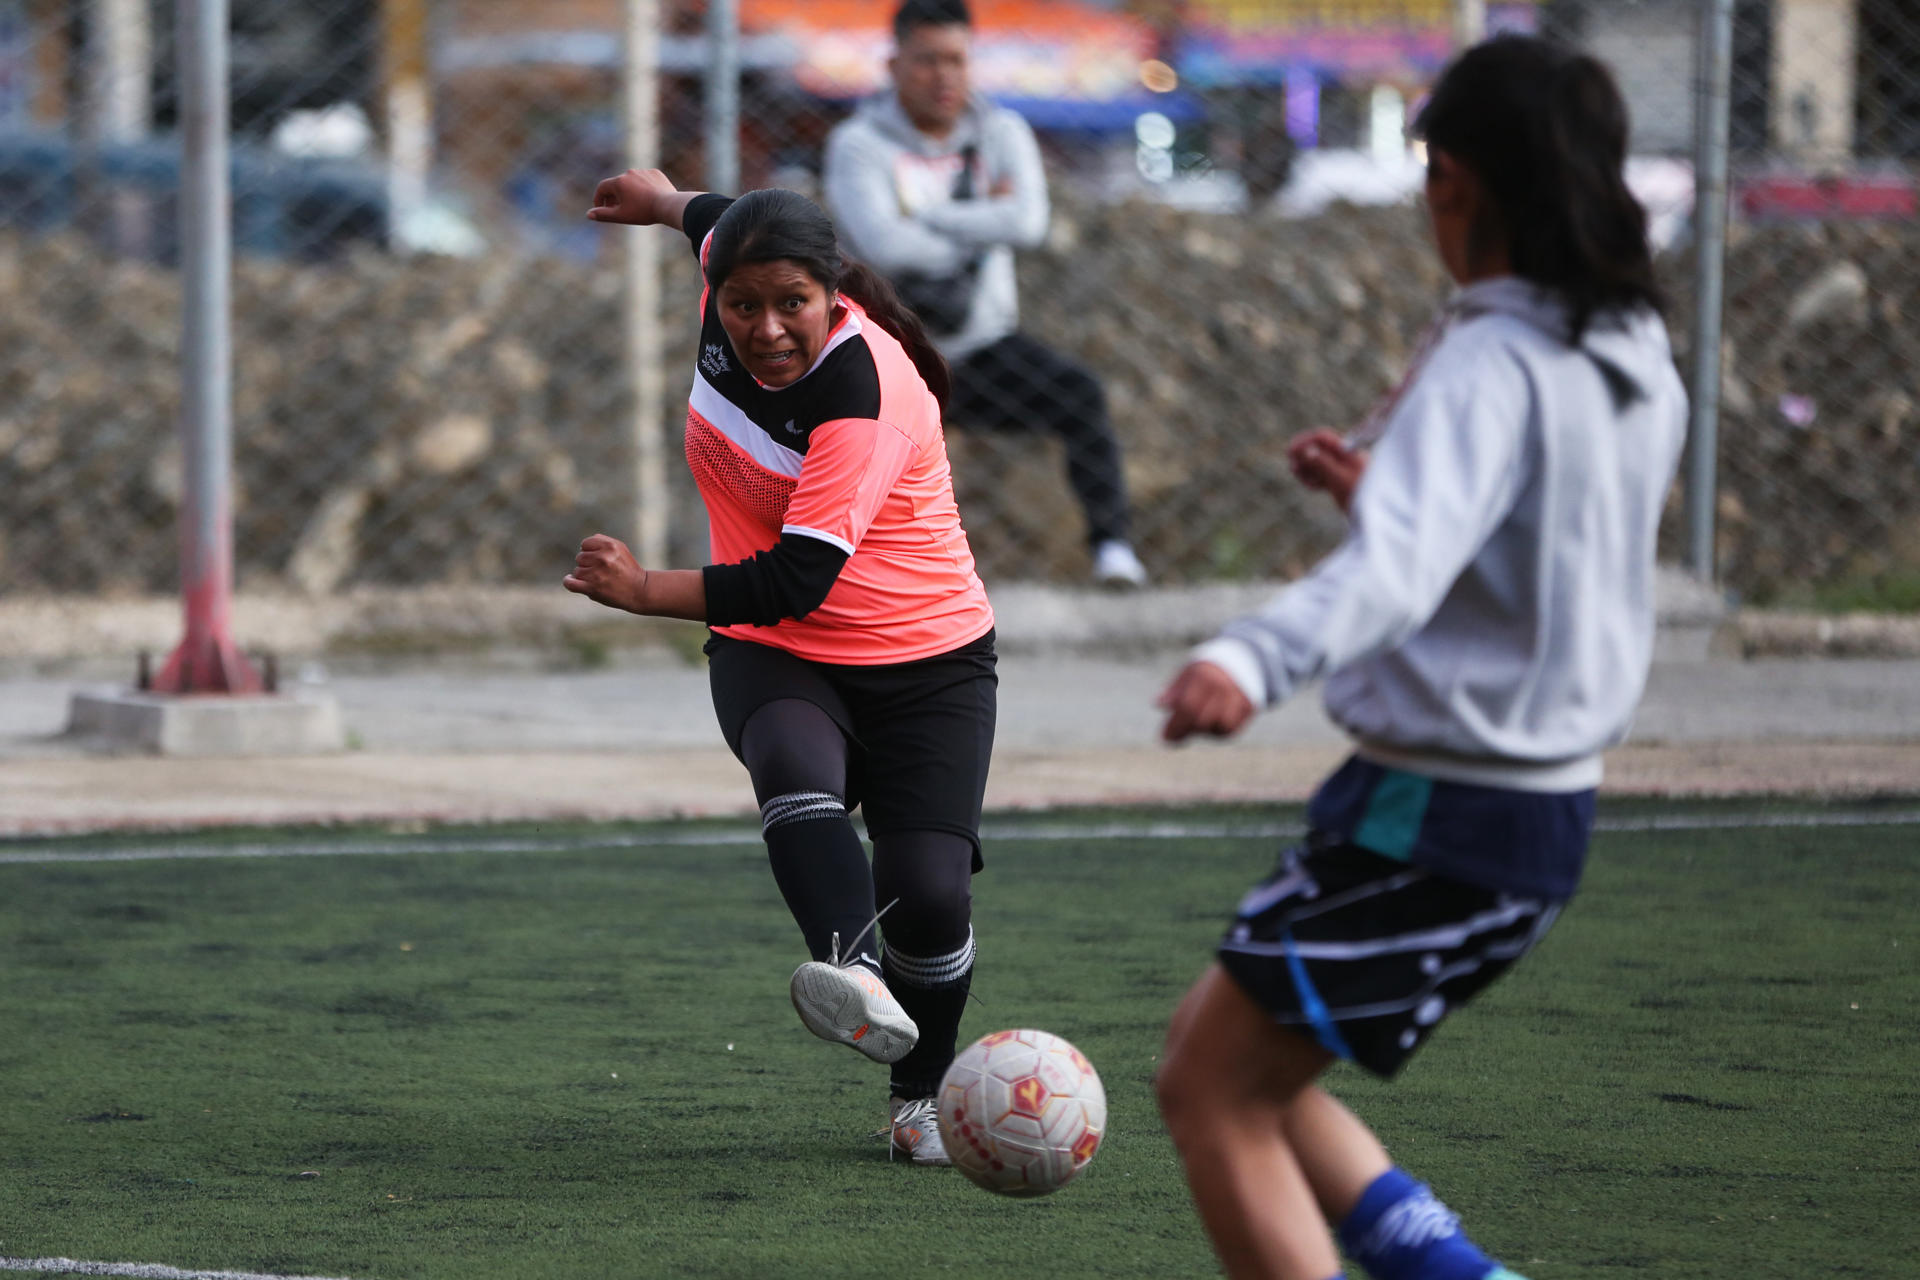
(935, 188)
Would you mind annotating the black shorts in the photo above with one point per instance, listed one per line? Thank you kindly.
(1367, 954)
(920, 734)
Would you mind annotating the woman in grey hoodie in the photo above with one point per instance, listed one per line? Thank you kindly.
(1485, 630)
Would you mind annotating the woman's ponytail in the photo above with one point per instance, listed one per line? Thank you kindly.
(882, 303)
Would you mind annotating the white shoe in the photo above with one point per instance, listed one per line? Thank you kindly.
(1115, 565)
(849, 1004)
(916, 1131)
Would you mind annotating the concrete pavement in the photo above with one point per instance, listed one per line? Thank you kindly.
(432, 742)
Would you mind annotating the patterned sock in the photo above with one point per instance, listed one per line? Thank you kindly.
(933, 991)
(1401, 1231)
(821, 868)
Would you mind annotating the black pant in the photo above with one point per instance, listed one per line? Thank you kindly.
(921, 732)
(909, 743)
(1021, 384)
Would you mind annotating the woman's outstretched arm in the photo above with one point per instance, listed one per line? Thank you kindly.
(641, 198)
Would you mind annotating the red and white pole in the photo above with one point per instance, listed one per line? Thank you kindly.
(207, 660)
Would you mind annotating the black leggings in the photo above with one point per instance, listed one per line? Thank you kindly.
(792, 747)
(798, 758)
(1021, 384)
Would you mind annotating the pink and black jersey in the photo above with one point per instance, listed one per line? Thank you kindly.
(834, 530)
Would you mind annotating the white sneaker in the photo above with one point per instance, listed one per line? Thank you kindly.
(1115, 565)
(849, 1004)
(916, 1131)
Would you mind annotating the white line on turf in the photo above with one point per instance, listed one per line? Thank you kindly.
(150, 1270)
(442, 843)
(1760, 821)
(67, 852)
(1287, 830)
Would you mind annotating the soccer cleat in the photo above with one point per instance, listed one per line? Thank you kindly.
(849, 1004)
(916, 1131)
(1115, 565)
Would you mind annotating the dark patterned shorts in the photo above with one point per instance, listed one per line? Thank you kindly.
(1367, 954)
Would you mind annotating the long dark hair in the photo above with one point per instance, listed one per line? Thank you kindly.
(774, 224)
(1544, 129)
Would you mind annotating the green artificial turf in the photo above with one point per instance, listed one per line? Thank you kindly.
(577, 1059)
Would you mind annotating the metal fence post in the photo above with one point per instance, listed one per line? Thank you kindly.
(207, 660)
(1712, 86)
(409, 106)
(1469, 23)
(640, 299)
(723, 96)
(120, 49)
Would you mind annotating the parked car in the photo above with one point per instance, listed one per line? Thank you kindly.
(283, 206)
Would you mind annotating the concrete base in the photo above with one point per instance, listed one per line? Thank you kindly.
(209, 724)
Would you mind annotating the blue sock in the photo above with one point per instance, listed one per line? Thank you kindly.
(1401, 1231)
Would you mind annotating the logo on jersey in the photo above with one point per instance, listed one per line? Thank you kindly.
(791, 429)
(713, 360)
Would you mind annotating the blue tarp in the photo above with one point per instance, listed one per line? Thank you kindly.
(1115, 115)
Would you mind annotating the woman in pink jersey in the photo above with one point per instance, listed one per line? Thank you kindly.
(851, 653)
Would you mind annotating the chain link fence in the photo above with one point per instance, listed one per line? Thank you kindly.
(1821, 391)
(431, 379)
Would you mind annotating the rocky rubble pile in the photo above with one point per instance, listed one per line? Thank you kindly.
(394, 422)
(401, 422)
(1220, 338)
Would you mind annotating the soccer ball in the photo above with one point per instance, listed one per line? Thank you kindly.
(1022, 1112)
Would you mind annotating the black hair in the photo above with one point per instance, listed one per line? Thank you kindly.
(776, 224)
(1544, 129)
(914, 14)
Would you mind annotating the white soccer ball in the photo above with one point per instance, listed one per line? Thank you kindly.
(1022, 1112)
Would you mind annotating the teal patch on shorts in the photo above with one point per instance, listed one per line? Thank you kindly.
(1394, 813)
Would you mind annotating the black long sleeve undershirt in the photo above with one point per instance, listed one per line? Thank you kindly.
(699, 216)
(789, 581)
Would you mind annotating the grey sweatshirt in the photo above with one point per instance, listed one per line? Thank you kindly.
(1489, 617)
(888, 187)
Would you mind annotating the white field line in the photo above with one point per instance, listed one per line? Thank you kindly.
(378, 848)
(736, 836)
(151, 1270)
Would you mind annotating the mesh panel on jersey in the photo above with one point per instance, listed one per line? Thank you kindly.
(718, 467)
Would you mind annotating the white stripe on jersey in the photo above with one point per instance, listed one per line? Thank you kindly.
(849, 328)
(730, 421)
(821, 534)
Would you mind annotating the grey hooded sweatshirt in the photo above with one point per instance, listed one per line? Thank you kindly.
(890, 189)
(1489, 617)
